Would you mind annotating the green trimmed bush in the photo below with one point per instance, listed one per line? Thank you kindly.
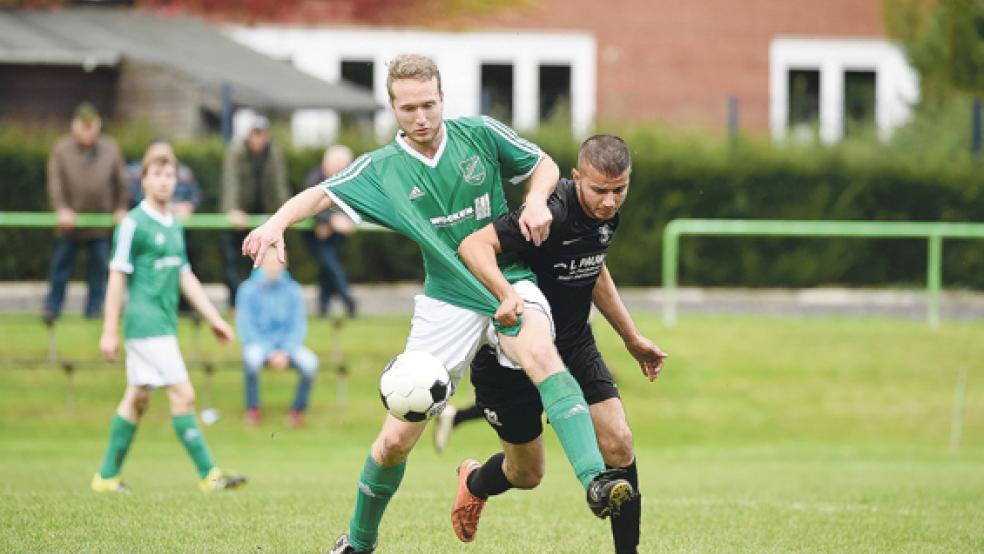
(674, 175)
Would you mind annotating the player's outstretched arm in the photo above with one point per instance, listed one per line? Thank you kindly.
(609, 303)
(478, 252)
(109, 342)
(192, 288)
(535, 220)
(271, 234)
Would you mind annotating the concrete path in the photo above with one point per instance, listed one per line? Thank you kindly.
(25, 297)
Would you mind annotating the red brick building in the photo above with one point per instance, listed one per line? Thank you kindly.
(679, 62)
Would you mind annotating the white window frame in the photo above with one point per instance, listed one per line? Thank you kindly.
(320, 51)
(896, 82)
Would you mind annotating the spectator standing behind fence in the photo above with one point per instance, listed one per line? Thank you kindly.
(184, 202)
(331, 228)
(86, 174)
(254, 181)
(272, 324)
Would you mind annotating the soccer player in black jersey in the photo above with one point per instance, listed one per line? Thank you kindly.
(571, 271)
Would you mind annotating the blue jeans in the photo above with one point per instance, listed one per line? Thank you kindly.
(234, 264)
(63, 265)
(302, 359)
(331, 274)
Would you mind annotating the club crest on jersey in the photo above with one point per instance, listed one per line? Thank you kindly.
(416, 193)
(159, 239)
(473, 170)
(604, 234)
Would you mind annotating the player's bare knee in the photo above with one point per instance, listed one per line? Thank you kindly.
(616, 447)
(544, 359)
(526, 477)
(393, 449)
(182, 401)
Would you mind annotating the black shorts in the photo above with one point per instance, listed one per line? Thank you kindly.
(511, 403)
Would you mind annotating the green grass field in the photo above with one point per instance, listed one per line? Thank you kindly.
(763, 435)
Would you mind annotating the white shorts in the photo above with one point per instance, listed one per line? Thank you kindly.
(455, 334)
(154, 362)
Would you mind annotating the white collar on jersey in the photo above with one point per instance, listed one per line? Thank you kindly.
(429, 162)
(166, 219)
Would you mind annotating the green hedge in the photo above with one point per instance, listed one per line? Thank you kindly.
(674, 176)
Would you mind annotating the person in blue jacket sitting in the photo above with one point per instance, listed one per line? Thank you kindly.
(272, 323)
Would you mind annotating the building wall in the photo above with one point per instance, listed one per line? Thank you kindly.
(459, 55)
(680, 61)
(667, 60)
(46, 96)
(168, 100)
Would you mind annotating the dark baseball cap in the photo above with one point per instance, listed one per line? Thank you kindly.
(86, 112)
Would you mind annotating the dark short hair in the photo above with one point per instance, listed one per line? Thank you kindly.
(606, 153)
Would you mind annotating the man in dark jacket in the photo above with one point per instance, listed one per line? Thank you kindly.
(86, 174)
(331, 229)
(254, 181)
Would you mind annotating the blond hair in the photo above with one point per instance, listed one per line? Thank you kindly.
(412, 66)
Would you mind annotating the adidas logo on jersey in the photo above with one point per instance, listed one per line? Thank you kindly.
(416, 193)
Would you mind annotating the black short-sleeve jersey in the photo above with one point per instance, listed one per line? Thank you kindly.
(568, 263)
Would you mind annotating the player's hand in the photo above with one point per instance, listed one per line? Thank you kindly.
(510, 310)
(535, 221)
(259, 240)
(649, 356)
(66, 218)
(109, 345)
(222, 331)
(279, 360)
(238, 218)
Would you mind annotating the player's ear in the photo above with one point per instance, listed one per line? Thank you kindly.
(575, 175)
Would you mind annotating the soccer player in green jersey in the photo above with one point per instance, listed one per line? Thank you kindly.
(149, 259)
(437, 182)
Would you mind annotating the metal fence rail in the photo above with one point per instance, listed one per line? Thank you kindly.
(933, 232)
(195, 221)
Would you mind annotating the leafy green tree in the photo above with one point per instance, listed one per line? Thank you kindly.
(943, 40)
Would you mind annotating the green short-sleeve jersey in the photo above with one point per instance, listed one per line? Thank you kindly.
(150, 248)
(439, 201)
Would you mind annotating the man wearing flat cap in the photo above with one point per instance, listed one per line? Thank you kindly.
(254, 181)
(86, 174)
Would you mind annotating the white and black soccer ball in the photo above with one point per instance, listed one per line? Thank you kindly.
(415, 386)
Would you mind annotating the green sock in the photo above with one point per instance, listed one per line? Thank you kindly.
(568, 413)
(121, 434)
(191, 437)
(376, 486)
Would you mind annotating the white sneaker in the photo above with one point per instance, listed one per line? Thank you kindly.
(443, 425)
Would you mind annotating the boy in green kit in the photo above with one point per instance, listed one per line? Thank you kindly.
(149, 259)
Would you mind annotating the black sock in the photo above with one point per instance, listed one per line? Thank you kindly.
(467, 414)
(489, 480)
(625, 525)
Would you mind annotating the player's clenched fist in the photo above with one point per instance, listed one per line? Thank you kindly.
(510, 310)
